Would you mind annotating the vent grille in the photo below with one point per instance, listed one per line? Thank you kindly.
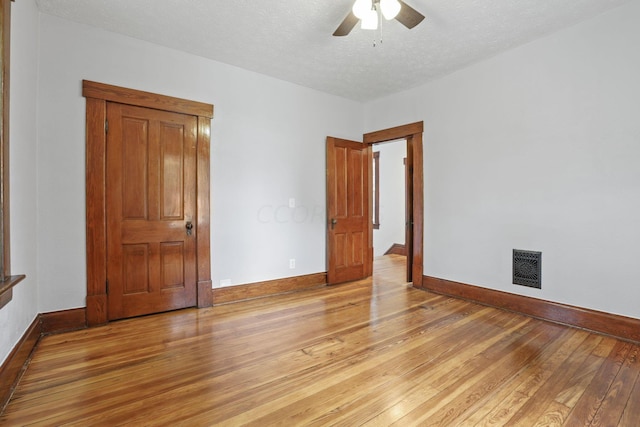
(527, 267)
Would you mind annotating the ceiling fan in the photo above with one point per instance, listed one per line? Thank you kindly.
(367, 12)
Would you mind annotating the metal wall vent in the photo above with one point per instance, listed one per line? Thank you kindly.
(527, 267)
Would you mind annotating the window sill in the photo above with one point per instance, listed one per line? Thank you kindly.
(6, 288)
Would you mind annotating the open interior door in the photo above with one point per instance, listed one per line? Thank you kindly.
(349, 222)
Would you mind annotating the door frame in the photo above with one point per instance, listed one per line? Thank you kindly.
(97, 95)
(412, 133)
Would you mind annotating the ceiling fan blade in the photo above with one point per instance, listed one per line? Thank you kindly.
(347, 25)
(408, 16)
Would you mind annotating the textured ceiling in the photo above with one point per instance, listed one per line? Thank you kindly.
(291, 39)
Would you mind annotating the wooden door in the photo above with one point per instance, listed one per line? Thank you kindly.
(150, 210)
(349, 242)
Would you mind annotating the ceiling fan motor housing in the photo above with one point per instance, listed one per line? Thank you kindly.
(391, 9)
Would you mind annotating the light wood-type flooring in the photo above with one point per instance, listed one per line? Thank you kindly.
(375, 352)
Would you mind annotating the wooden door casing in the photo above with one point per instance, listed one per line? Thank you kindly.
(349, 243)
(151, 196)
(408, 211)
(415, 190)
(97, 96)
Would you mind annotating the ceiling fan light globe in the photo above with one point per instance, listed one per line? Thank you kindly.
(361, 8)
(370, 21)
(390, 8)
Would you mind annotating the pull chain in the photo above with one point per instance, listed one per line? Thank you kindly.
(379, 26)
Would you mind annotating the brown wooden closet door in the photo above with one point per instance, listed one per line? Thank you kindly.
(151, 204)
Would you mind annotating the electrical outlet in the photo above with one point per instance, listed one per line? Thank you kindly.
(225, 282)
(292, 263)
(292, 202)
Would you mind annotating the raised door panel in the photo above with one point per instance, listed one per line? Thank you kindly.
(172, 258)
(355, 182)
(358, 248)
(172, 172)
(135, 259)
(135, 168)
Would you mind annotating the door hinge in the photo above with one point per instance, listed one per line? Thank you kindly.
(106, 126)
(107, 287)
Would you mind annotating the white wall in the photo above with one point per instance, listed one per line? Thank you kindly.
(392, 196)
(268, 145)
(16, 317)
(538, 149)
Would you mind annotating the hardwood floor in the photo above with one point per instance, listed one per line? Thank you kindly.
(374, 352)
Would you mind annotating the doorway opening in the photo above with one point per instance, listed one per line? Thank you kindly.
(414, 192)
(389, 205)
(349, 216)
